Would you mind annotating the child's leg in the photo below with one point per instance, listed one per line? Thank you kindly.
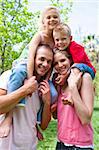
(19, 74)
(5, 125)
(85, 68)
(39, 133)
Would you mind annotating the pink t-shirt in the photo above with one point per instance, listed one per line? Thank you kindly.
(70, 129)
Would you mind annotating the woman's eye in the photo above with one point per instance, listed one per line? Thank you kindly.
(62, 60)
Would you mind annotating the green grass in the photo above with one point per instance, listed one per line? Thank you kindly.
(50, 138)
(95, 121)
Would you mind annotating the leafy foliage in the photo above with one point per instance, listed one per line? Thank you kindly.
(16, 25)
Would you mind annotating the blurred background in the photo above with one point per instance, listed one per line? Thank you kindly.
(19, 21)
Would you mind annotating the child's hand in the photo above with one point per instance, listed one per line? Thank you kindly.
(74, 79)
(31, 85)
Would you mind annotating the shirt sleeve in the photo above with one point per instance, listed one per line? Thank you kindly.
(78, 54)
(4, 79)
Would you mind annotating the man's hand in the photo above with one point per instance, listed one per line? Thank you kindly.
(44, 89)
(31, 85)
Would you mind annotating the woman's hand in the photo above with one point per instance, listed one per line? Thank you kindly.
(44, 89)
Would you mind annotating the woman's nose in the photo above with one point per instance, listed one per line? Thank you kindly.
(60, 64)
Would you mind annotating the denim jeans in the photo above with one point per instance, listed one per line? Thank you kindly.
(85, 68)
(18, 75)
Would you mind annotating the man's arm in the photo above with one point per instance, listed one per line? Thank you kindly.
(9, 101)
(46, 114)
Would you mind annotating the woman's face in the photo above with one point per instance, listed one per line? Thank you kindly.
(61, 63)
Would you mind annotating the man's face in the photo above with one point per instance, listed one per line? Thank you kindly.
(43, 61)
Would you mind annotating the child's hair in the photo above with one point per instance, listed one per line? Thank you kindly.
(45, 12)
(62, 27)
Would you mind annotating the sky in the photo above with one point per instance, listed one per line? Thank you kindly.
(84, 18)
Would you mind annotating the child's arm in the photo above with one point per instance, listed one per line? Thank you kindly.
(79, 56)
(5, 125)
(36, 40)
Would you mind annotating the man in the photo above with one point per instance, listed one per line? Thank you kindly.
(23, 131)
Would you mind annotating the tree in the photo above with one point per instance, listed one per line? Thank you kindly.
(18, 25)
(64, 6)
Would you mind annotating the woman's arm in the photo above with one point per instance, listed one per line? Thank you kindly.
(83, 101)
(34, 43)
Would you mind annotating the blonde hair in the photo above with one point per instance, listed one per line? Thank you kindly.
(45, 12)
(62, 27)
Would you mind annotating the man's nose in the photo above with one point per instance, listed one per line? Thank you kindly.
(45, 63)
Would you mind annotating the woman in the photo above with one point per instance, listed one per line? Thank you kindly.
(75, 106)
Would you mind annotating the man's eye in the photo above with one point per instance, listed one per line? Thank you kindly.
(55, 63)
(42, 59)
(49, 61)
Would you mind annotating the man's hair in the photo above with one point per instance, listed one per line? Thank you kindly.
(62, 27)
(44, 46)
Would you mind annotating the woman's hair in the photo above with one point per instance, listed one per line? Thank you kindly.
(45, 12)
(64, 52)
(62, 27)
